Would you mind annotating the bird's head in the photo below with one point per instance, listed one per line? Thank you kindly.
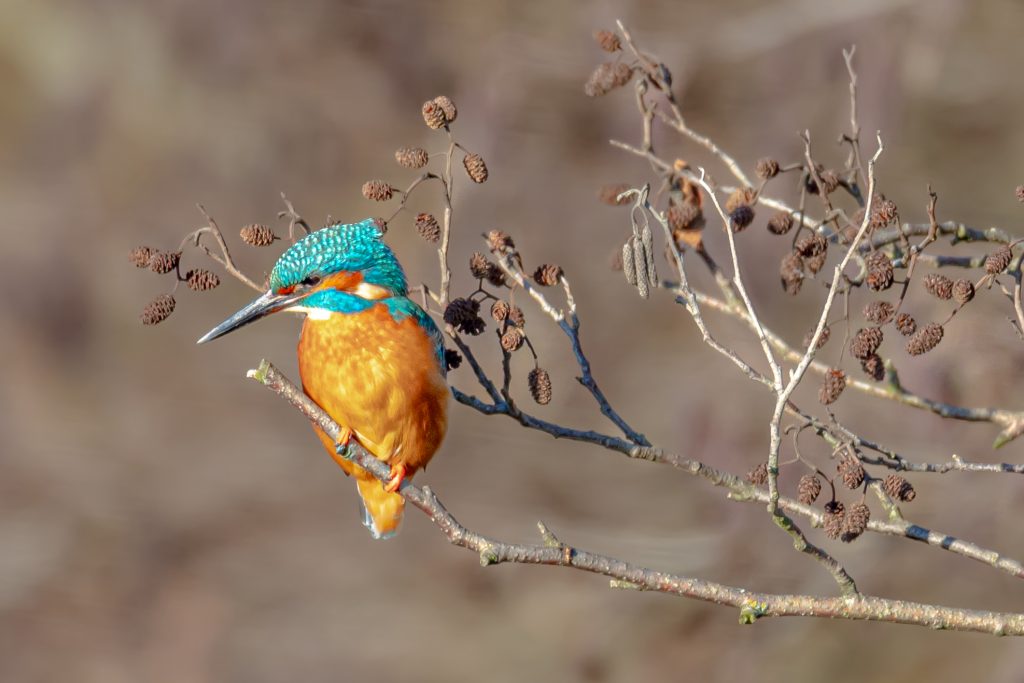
(336, 269)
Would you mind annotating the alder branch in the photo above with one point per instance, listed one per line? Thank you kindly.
(752, 605)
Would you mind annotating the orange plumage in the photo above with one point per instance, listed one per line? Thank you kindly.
(381, 378)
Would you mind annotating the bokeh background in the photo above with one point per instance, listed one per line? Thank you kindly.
(163, 519)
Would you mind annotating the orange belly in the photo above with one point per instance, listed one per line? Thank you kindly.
(381, 379)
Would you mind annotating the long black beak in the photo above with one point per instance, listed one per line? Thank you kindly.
(264, 305)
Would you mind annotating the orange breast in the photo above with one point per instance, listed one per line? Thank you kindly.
(380, 378)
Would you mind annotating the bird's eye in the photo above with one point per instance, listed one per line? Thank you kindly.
(311, 281)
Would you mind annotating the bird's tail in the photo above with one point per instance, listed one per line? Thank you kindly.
(382, 511)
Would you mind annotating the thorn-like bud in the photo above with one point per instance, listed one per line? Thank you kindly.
(412, 157)
(767, 168)
(427, 227)
(378, 190)
(201, 280)
(476, 169)
(158, 310)
(808, 489)
(926, 339)
(257, 235)
(140, 256)
(162, 262)
(452, 359)
(832, 386)
(608, 41)
(540, 385)
(547, 275)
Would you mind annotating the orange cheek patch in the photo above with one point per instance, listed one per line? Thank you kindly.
(345, 280)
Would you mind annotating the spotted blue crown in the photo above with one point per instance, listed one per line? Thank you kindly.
(355, 247)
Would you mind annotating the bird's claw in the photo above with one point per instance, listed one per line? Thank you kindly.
(395, 478)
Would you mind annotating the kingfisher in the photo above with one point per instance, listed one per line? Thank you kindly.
(368, 355)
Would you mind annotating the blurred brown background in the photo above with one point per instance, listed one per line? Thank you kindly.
(163, 519)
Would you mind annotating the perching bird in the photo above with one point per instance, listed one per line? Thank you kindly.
(368, 355)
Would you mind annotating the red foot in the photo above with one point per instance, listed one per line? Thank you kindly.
(395, 478)
(344, 437)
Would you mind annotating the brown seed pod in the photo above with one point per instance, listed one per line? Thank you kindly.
(998, 260)
(780, 223)
(832, 386)
(433, 115)
(608, 41)
(759, 475)
(452, 359)
(879, 312)
(162, 262)
(540, 385)
(157, 310)
(740, 197)
(609, 194)
(835, 515)
(547, 275)
(874, 367)
(829, 181)
(476, 169)
(683, 216)
(856, 522)
(140, 256)
(880, 273)
(516, 317)
(822, 340)
(201, 280)
(257, 235)
(883, 212)
(464, 314)
(898, 488)
(939, 286)
(906, 324)
(811, 245)
(378, 190)
(499, 310)
(925, 339)
(512, 339)
(741, 217)
(851, 471)
(963, 291)
(606, 77)
(447, 107)
(427, 227)
(791, 272)
(866, 342)
(808, 489)
(412, 157)
(500, 241)
(767, 168)
(816, 263)
(480, 266)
